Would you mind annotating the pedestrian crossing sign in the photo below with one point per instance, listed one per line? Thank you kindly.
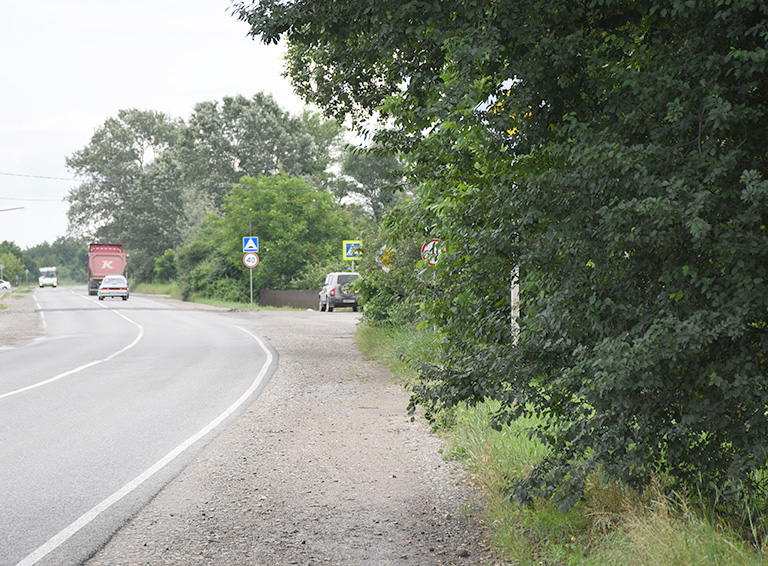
(352, 249)
(250, 244)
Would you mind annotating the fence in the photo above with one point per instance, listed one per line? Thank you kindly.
(303, 299)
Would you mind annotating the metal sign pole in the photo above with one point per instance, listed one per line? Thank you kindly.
(251, 260)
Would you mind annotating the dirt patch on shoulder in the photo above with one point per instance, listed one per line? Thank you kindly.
(324, 468)
(19, 320)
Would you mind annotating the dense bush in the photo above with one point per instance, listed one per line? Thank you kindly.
(615, 154)
(395, 282)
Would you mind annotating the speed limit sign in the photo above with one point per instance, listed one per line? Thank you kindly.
(250, 260)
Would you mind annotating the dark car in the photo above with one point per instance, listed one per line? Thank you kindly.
(336, 291)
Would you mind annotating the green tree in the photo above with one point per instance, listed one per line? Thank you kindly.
(154, 219)
(68, 255)
(394, 286)
(165, 267)
(12, 267)
(150, 180)
(227, 140)
(113, 166)
(132, 188)
(614, 153)
(377, 178)
(7, 247)
(11, 249)
(297, 226)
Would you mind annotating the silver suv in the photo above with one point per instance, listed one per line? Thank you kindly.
(336, 292)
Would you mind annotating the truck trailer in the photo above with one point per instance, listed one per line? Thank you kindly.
(103, 260)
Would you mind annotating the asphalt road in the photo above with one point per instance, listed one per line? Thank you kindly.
(105, 409)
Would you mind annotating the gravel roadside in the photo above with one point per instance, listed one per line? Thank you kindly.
(325, 467)
(19, 319)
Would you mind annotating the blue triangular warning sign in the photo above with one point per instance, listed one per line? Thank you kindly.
(251, 244)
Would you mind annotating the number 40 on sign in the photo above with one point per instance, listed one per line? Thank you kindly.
(251, 260)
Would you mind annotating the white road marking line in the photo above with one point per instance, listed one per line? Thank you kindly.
(40, 312)
(94, 512)
(84, 366)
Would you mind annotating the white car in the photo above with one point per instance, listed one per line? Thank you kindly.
(5, 284)
(115, 286)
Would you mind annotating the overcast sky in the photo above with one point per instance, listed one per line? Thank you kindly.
(68, 65)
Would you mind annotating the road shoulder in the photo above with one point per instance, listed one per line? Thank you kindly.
(324, 468)
(19, 320)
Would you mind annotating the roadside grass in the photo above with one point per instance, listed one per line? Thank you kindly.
(394, 347)
(167, 289)
(669, 532)
(13, 295)
(612, 526)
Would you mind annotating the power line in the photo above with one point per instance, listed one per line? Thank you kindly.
(39, 177)
(133, 193)
(226, 185)
(166, 190)
(28, 199)
(33, 199)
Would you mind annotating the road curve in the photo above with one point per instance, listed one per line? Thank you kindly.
(105, 409)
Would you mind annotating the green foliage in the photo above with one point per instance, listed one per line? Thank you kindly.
(7, 247)
(395, 284)
(668, 533)
(298, 228)
(165, 267)
(201, 264)
(12, 259)
(170, 289)
(12, 266)
(227, 140)
(150, 180)
(614, 153)
(114, 165)
(400, 348)
(313, 275)
(131, 192)
(377, 178)
(68, 255)
(614, 525)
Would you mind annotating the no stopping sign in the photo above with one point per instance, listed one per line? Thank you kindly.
(430, 251)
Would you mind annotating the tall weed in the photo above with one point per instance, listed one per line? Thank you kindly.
(612, 526)
(396, 347)
(668, 532)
